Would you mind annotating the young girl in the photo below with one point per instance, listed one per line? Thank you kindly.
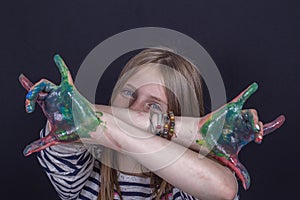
(141, 158)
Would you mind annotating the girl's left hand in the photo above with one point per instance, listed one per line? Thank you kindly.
(228, 129)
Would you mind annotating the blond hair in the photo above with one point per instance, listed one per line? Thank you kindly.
(185, 89)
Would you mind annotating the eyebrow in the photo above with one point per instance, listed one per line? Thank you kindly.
(158, 99)
(129, 85)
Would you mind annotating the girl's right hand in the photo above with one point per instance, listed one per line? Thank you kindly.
(69, 114)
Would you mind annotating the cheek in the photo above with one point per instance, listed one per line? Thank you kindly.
(120, 101)
(164, 108)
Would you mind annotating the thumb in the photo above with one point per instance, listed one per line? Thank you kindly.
(40, 144)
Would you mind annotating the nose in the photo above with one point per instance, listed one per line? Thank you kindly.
(138, 105)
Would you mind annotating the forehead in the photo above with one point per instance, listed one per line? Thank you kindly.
(147, 74)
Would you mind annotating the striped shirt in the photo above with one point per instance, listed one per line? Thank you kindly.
(75, 174)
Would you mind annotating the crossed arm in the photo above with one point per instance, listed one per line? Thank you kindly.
(224, 132)
(180, 166)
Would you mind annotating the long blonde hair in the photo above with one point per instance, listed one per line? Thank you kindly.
(174, 85)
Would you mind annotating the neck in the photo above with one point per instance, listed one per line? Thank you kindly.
(128, 165)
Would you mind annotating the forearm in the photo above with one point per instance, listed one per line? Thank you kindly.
(186, 128)
(177, 164)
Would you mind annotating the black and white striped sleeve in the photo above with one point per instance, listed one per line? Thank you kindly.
(68, 167)
(180, 195)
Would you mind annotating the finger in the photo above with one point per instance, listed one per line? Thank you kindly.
(239, 169)
(63, 69)
(243, 174)
(32, 95)
(40, 144)
(25, 82)
(259, 135)
(272, 126)
(243, 96)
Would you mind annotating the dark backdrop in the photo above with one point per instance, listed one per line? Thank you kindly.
(249, 41)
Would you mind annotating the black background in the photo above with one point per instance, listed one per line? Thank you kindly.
(248, 40)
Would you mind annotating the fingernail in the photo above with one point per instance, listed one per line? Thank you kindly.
(28, 109)
(27, 105)
(257, 127)
(21, 76)
(259, 139)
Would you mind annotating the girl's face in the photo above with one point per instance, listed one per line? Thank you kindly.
(143, 91)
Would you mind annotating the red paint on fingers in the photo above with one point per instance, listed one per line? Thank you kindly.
(272, 126)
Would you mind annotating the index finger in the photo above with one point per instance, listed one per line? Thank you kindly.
(243, 96)
(27, 84)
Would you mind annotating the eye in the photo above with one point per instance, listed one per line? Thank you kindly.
(128, 93)
(154, 107)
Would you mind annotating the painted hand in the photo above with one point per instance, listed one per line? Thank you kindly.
(228, 129)
(69, 114)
